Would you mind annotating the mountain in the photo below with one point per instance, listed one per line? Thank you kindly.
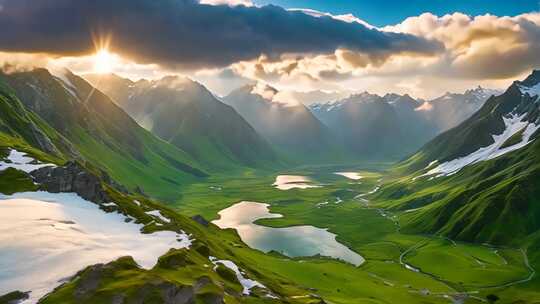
(185, 114)
(479, 181)
(66, 117)
(451, 109)
(376, 127)
(393, 126)
(289, 126)
(317, 96)
(199, 263)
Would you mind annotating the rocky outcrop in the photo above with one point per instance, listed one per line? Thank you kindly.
(14, 297)
(71, 178)
(42, 140)
(201, 220)
(86, 287)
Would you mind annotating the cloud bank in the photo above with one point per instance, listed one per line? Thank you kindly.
(487, 50)
(186, 33)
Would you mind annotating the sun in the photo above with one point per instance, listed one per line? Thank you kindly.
(103, 61)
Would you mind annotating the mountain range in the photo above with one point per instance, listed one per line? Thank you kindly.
(70, 119)
(289, 126)
(394, 126)
(478, 181)
(187, 115)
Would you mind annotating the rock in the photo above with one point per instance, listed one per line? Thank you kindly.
(140, 191)
(14, 297)
(201, 220)
(89, 281)
(71, 178)
(118, 299)
(42, 140)
(174, 294)
(174, 259)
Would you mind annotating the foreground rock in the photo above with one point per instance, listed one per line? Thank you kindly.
(13, 297)
(71, 178)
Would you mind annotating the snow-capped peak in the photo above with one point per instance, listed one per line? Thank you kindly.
(482, 93)
(531, 85)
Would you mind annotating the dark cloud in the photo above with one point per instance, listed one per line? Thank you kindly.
(185, 33)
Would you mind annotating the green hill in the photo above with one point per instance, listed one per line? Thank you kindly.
(71, 119)
(479, 181)
(185, 114)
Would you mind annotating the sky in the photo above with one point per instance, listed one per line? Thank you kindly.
(388, 12)
(306, 48)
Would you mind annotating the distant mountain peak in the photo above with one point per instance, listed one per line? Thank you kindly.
(531, 85)
(531, 80)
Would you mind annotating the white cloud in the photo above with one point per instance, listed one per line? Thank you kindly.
(227, 2)
(350, 18)
(483, 50)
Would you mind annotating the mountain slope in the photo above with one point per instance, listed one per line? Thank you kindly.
(185, 114)
(394, 126)
(481, 180)
(290, 127)
(376, 127)
(451, 109)
(85, 124)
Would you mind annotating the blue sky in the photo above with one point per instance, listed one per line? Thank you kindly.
(385, 12)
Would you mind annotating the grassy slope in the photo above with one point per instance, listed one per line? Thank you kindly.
(187, 115)
(103, 134)
(377, 238)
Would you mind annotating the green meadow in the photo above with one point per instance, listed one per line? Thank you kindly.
(442, 266)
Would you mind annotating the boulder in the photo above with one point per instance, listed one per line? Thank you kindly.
(71, 178)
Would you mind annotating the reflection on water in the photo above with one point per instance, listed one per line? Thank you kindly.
(350, 175)
(287, 182)
(292, 241)
(46, 237)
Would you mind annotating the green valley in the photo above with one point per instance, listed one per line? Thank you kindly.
(269, 152)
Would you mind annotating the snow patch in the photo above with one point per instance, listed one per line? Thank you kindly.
(514, 124)
(21, 161)
(532, 91)
(350, 175)
(157, 214)
(46, 237)
(248, 284)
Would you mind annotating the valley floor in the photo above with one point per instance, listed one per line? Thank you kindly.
(399, 267)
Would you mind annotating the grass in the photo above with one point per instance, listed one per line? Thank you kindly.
(12, 180)
(448, 267)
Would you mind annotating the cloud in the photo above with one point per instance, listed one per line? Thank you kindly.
(487, 50)
(350, 18)
(479, 47)
(187, 34)
(227, 2)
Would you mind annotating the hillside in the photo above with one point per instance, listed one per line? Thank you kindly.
(376, 127)
(185, 114)
(288, 126)
(76, 121)
(479, 181)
